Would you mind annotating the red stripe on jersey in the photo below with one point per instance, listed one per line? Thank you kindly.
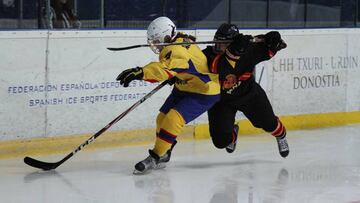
(214, 64)
(169, 74)
(271, 53)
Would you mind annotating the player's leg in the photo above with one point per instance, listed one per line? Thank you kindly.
(223, 132)
(159, 122)
(260, 113)
(153, 160)
(171, 126)
(184, 108)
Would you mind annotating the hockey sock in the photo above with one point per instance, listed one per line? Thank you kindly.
(280, 130)
(169, 128)
(159, 119)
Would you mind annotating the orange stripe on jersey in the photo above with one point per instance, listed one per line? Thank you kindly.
(214, 64)
(166, 71)
(245, 76)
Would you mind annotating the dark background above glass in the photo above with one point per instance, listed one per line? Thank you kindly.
(136, 14)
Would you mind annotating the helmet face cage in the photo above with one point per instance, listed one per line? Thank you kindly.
(220, 47)
(155, 48)
(160, 30)
(225, 32)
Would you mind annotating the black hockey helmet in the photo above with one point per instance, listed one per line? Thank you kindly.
(226, 31)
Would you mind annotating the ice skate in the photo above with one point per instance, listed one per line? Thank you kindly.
(231, 147)
(167, 156)
(153, 161)
(283, 146)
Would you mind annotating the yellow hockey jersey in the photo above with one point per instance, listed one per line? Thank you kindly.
(188, 64)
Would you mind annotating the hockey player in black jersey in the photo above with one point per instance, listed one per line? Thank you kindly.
(235, 64)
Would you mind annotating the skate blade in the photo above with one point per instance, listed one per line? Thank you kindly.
(137, 172)
(159, 166)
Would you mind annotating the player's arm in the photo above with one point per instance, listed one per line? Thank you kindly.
(239, 50)
(258, 48)
(172, 61)
(266, 46)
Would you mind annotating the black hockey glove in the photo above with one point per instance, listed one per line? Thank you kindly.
(129, 75)
(274, 42)
(239, 45)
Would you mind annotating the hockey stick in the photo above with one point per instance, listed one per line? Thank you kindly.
(52, 165)
(166, 44)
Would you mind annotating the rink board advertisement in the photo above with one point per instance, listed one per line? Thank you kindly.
(315, 75)
(63, 82)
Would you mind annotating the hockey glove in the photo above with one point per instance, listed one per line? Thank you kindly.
(239, 45)
(129, 75)
(274, 42)
(172, 81)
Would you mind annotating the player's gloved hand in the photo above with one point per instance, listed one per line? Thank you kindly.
(172, 81)
(129, 75)
(274, 41)
(239, 44)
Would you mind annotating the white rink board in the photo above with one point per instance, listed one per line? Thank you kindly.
(80, 73)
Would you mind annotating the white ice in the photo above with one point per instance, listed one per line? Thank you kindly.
(323, 166)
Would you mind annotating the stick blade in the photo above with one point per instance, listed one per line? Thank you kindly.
(126, 48)
(40, 164)
(116, 49)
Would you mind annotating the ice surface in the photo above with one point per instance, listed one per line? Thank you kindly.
(323, 166)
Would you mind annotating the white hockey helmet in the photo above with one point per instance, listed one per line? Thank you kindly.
(160, 30)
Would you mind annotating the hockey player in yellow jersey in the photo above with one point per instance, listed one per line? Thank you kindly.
(195, 89)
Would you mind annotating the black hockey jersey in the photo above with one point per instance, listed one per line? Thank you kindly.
(236, 76)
